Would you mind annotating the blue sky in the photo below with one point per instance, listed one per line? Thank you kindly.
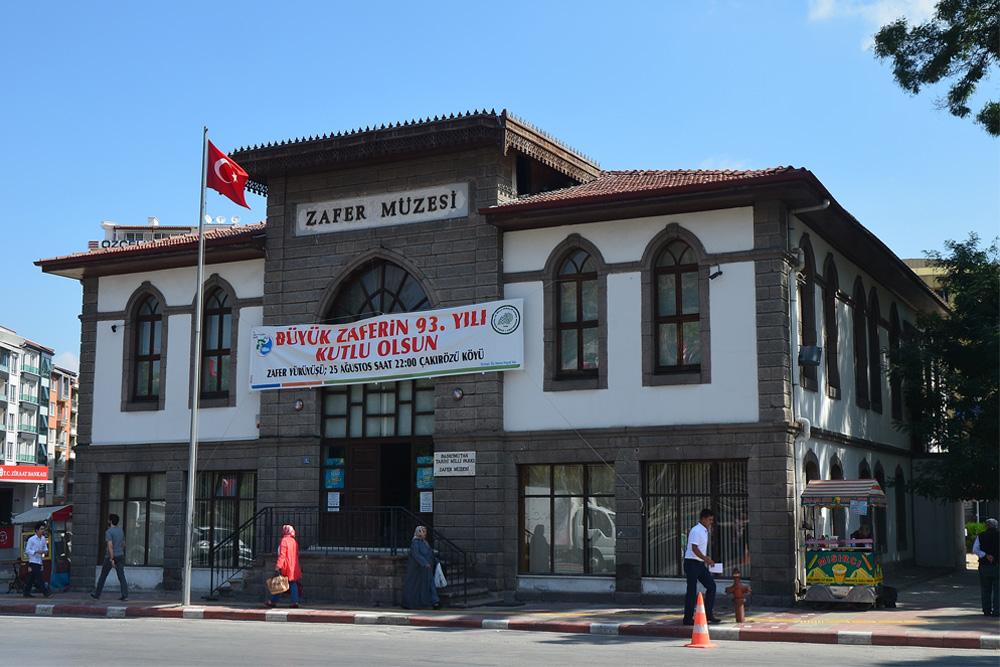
(104, 105)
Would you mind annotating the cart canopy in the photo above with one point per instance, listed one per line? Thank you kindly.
(840, 492)
(36, 514)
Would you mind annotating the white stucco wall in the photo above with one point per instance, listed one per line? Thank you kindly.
(731, 397)
(172, 424)
(843, 415)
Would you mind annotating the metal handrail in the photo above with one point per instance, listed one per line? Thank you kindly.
(355, 529)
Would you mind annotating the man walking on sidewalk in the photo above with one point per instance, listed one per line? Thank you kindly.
(987, 547)
(36, 548)
(115, 560)
(696, 567)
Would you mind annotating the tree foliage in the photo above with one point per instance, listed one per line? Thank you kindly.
(951, 379)
(962, 40)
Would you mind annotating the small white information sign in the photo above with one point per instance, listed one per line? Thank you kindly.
(454, 464)
(426, 501)
(333, 501)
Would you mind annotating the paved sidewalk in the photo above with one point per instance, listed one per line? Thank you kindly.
(936, 608)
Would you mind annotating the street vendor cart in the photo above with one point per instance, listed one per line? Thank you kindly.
(56, 563)
(839, 570)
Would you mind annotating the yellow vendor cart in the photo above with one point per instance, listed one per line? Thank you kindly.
(841, 570)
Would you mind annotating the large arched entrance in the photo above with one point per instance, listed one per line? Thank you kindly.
(377, 438)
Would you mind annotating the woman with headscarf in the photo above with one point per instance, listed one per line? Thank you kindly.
(419, 591)
(288, 566)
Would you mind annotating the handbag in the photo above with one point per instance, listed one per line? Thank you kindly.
(439, 580)
(278, 584)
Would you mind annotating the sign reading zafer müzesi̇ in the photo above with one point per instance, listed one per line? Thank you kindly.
(454, 464)
(394, 208)
(470, 339)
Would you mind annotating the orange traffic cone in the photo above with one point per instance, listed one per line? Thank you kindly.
(699, 636)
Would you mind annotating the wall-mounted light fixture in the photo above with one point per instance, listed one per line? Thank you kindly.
(457, 394)
(716, 274)
(810, 355)
(299, 405)
(114, 328)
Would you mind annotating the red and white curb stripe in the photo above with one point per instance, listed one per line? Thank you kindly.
(890, 636)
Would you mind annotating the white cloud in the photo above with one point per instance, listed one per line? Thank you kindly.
(877, 13)
(67, 360)
(874, 14)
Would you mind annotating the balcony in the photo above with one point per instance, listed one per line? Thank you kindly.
(27, 453)
(27, 428)
(28, 398)
(34, 370)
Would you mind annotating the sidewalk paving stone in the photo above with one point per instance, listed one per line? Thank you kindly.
(936, 608)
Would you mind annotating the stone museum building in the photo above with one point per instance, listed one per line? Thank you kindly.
(691, 339)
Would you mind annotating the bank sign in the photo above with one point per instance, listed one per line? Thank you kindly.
(479, 338)
(25, 474)
(394, 208)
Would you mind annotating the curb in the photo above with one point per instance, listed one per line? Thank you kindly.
(887, 637)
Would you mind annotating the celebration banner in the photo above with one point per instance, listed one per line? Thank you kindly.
(472, 339)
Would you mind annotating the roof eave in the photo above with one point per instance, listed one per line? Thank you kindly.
(149, 257)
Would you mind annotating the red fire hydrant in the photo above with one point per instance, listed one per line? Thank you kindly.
(738, 591)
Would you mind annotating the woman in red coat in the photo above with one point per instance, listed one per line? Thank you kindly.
(288, 566)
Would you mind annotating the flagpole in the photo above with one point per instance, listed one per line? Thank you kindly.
(195, 382)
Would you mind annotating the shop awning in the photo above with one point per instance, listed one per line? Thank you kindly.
(840, 492)
(55, 512)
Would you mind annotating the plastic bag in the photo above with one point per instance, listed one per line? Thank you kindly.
(439, 580)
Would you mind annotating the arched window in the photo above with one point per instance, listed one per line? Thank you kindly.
(830, 329)
(895, 380)
(216, 344)
(677, 309)
(839, 515)
(378, 288)
(881, 527)
(811, 467)
(860, 345)
(577, 316)
(148, 323)
(899, 489)
(807, 311)
(386, 409)
(874, 352)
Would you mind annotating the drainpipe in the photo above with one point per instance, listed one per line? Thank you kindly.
(805, 427)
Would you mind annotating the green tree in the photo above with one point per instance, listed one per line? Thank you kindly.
(962, 40)
(951, 379)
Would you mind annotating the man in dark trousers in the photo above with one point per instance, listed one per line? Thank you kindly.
(114, 537)
(36, 549)
(696, 567)
(987, 547)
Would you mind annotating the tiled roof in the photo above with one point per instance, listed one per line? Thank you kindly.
(214, 236)
(623, 185)
(449, 131)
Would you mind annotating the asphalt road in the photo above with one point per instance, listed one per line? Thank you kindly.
(42, 641)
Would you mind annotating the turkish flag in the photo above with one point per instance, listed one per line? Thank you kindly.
(225, 176)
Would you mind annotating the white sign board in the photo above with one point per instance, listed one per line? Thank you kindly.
(471, 339)
(426, 501)
(393, 208)
(454, 464)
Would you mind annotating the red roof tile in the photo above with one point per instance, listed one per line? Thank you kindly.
(171, 243)
(625, 184)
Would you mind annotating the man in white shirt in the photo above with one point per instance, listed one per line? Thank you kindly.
(696, 568)
(36, 548)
